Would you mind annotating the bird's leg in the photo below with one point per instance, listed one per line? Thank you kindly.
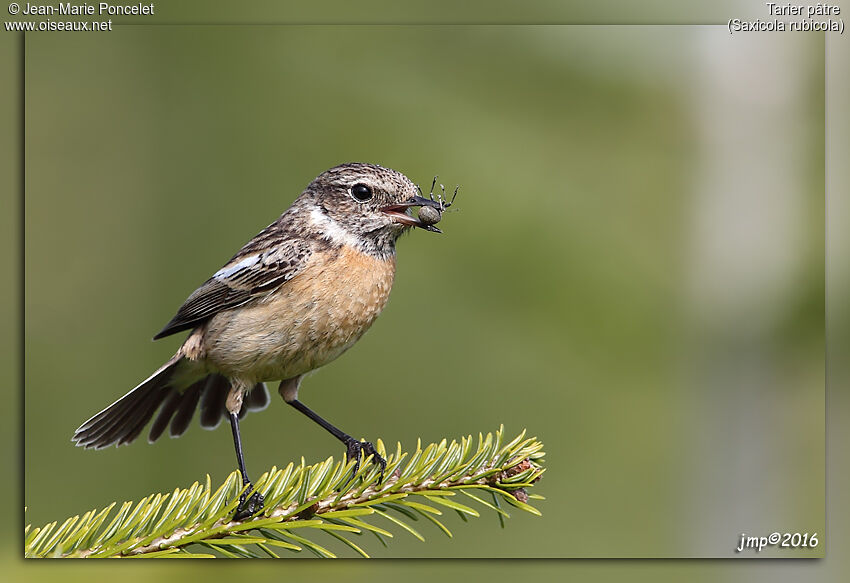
(247, 506)
(353, 447)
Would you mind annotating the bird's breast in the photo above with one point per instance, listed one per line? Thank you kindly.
(307, 322)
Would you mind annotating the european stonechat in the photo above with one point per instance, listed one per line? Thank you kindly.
(294, 298)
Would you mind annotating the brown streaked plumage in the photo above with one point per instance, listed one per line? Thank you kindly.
(294, 298)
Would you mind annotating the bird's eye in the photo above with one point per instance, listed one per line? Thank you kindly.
(361, 192)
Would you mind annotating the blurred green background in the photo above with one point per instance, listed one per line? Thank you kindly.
(634, 273)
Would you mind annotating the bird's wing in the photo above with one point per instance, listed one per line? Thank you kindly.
(265, 263)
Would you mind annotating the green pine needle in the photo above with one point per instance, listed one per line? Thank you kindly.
(319, 498)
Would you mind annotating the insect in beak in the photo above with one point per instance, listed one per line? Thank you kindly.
(430, 212)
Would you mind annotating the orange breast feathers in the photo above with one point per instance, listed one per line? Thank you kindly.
(306, 323)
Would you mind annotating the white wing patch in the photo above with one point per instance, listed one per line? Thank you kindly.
(243, 263)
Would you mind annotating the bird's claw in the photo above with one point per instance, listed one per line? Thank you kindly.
(353, 450)
(248, 506)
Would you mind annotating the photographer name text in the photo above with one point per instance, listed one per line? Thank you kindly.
(99, 9)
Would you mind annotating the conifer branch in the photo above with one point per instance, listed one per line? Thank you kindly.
(302, 500)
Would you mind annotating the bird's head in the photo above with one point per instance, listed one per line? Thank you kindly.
(365, 205)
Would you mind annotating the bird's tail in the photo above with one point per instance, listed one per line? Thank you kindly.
(172, 401)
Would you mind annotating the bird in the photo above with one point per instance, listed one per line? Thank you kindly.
(291, 300)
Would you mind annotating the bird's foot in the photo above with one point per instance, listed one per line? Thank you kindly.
(248, 506)
(353, 450)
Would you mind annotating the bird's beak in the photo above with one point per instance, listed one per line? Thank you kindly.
(398, 212)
